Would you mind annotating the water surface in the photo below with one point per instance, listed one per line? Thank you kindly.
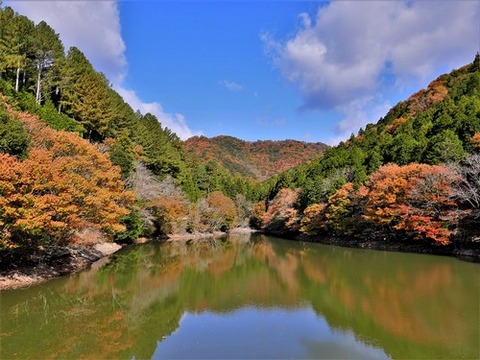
(243, 297)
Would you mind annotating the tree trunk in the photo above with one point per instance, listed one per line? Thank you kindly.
(39, 86)
(17, 80)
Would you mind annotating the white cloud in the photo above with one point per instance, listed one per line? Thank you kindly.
(353, 51)
(231, 85)
(343, 54)
(94, 27)
(175, 122)
(357, 114)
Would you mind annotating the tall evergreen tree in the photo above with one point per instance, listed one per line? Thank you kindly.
(48, 50)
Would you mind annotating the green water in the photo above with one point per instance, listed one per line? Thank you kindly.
(249, 297)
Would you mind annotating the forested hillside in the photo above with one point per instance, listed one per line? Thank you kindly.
(76, 159)
(414, 174)
(78, 163)
(259, 159)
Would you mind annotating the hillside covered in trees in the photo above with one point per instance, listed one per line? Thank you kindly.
(412, 175)
(78, 164)
(259, 159)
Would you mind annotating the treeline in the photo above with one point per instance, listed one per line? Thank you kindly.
(414, 174)
(87, 118)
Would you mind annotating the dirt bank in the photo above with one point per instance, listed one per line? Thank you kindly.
(45, 265)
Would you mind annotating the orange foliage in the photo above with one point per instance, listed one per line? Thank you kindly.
(476, 140)
(395, 124)
(313, 220)
(64, 184)
(219, 201)
(425, 98)
(281, 212)
(170, 212)
(221, 212)
(416, 198)
(258, 211)
(339, 209)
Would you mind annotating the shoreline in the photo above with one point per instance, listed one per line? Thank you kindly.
(469, 254)
(199, 235)
(60, 261)
(68, 260)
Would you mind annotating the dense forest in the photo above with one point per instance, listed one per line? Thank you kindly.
(415, 174)
(78, 163)
(259, 159)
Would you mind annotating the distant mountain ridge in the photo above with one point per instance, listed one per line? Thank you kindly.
(259, 159)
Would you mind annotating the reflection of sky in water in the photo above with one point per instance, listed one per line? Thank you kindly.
(261, 333)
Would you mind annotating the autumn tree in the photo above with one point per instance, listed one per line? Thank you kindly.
(220, 211)
(256, 217)
(313, 221)
(170, 214)
(281, 214)
(415, 198)
(64, 185)
(340, 212)
(467, 189)
(163, 205)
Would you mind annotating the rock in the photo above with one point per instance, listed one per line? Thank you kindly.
(107, 248)
(141, 240)
(91, 257)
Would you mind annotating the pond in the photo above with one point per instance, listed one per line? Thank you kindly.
(249, 296)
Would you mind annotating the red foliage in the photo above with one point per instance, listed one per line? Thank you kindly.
(415, 198)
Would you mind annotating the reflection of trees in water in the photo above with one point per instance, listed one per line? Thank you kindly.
(405, 303)
(415, 302)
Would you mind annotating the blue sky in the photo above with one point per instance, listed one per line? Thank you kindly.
(312, 71)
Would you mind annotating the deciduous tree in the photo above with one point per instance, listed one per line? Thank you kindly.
(415, 198)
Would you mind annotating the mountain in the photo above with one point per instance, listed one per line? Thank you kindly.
(413, 175)
(436, 125)
(258, 159)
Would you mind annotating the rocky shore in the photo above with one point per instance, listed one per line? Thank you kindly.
(49, 264)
